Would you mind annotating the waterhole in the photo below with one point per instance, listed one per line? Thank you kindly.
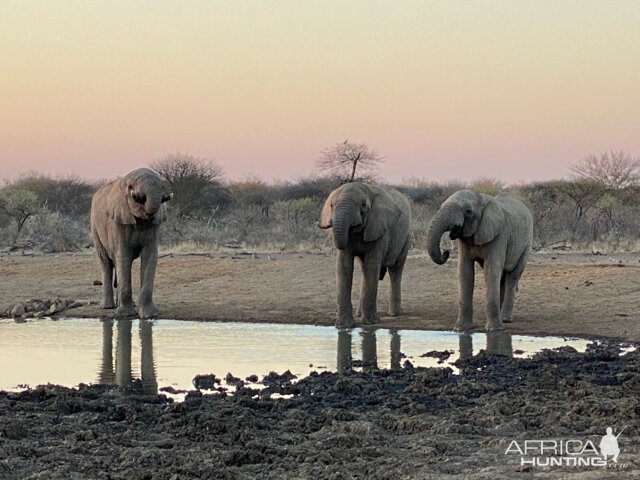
(160, 354)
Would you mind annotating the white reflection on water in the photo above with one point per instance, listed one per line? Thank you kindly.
(171, 352)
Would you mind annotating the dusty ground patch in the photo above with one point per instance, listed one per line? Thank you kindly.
(564, 294)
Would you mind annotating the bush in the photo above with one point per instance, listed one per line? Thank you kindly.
(296, 221)
(53, 233)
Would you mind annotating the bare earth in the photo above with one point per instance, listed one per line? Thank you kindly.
(560, 294)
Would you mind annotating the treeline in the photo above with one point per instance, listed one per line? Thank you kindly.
(52, 214)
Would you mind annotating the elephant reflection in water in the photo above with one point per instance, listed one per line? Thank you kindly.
(122, 376)
(369, 350)
(498, 343)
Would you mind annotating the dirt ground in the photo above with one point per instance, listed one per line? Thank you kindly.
(561, 294)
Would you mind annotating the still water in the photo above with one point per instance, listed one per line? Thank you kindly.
(170, 353)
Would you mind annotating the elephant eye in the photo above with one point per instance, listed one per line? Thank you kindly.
(468, 212)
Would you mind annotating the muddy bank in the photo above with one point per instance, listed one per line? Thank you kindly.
(407, 423)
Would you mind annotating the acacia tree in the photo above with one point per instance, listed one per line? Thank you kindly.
(615, 169)
(583, 193)
(19, 204)
(194, 182)
(345, 160)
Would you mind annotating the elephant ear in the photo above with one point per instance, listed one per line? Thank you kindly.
(382, 215)
(118, 207)
(491, 222)
(325, 216)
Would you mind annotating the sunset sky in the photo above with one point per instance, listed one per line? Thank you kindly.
(443, 89)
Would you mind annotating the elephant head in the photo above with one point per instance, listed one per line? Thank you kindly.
(141, 195)
(356, 207)
(466, 215)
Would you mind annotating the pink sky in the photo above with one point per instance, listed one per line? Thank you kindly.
(514, 90)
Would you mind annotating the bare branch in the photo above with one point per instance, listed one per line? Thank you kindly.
(348, 161)
(615, 169)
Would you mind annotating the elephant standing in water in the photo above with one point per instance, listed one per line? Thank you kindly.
(125, 217)
(496, 232)
(371, 223)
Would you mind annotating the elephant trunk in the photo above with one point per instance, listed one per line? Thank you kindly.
(340, 225)
(154, 201)
(444, 220)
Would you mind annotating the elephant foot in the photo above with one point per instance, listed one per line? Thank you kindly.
(345, 322)
(107, 304)
(494, 326)
(507, 319)
(463, 326)
(395, 312)
(148, 311)
(124, 311)
(371, 318)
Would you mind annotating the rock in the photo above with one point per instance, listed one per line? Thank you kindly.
(252, 378)
(97, 283)
(40, 314)
(17, 310)
(75, 304)
(57, 307)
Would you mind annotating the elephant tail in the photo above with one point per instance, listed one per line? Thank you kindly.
(383, 271)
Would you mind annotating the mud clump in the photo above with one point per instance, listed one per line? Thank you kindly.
(440, 355)
(407, 423)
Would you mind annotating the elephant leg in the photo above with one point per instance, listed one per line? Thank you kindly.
(502, 286)
(509, 296)
(344, 277)
(107, 284)
(466, 280)
(148, 262)
(370, 277)
(511, 287)
(359, 308)
(493, 275)
(123, 270)
(395, 280)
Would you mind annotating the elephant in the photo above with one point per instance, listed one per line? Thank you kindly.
(125, 218)
(371, 223)
(496, 232)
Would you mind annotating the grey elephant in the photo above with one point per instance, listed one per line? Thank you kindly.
(125, 217)
(496, 232)
(371, 223)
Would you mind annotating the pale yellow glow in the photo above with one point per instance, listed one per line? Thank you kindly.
(442, 89)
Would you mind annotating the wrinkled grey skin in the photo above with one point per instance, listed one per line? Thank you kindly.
(125, 218)
(371, 223)
(496, 232)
